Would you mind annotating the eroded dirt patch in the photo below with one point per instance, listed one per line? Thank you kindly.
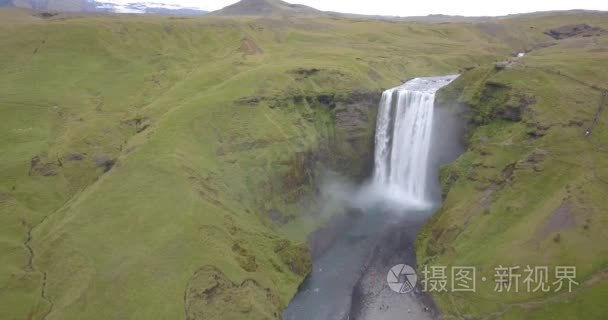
(249, 47)
(43, 167)
(561, 219)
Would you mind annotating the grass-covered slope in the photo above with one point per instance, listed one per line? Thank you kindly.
(148, 164)
(531, 188)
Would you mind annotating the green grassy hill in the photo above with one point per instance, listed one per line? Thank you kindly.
(156, 167)
(266, 8)
(531, 188)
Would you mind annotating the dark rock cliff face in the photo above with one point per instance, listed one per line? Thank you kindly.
(350, 151)
(344, 126)
(346, 147)
(346, 143)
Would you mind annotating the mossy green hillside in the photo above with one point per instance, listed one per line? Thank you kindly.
(530, 189)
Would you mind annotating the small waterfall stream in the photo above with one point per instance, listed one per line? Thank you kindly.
(395, 202)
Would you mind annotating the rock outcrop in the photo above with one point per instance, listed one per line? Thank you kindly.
(574, 30)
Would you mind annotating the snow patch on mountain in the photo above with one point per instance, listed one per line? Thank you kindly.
(146, 7)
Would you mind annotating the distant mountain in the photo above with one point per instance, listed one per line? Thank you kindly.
(267, 8)
(107, 6)
(147, 7)
(52, 5)
(432, 18)
(251, 8)
(442, 18)
(555, 13)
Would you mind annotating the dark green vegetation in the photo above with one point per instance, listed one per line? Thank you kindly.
(160, 168)
(531, 189)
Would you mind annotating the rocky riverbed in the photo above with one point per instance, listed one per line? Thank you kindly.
(348, 280)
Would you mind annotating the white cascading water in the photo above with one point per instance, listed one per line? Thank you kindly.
(403, 140)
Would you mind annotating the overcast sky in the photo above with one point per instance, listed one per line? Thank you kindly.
(416, 8)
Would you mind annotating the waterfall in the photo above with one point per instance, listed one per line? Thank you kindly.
(403, 140)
